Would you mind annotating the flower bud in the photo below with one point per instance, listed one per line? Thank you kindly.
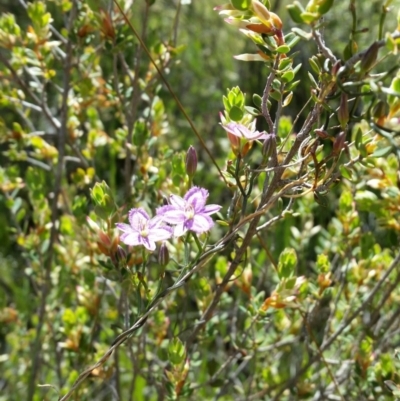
(339, 143)
(261, 11)
(269, 145)
(321, 133)
(343, 112)
(107, 28)
(369, 58)
(324, 280)
(191, 161)
(380, 111)
(335, 68)
(104, 238)
(277, 22)
(120, 255)
(163, 255)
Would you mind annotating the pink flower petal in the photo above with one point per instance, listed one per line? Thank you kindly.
(179, 230)
(210, 209)
(148, 243)
(138, 218)
(174, 216)
(126, 228)
(177, 201)
(201, 223)
(241, 131)
(197, 197)
(160, 234)
(131, 239)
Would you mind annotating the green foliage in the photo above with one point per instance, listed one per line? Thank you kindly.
(292, 294)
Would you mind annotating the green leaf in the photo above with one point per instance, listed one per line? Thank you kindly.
(290, 283)
(313, 81)
(366, 200)
(309, 18)
(292, 43)
(346, 172)
(363, 150)
(358, 138)
(235, 113)
(252, 110)
(287, 76)
(382, 152)
(178, 169)
(291, 86)
(241, 4)
(283, 49)
(325, 6)
(285, 63)
(314, 65)
(36, 182)
(287, 263)
(140, 385)
(140, 133)
(302, 34)
(103, 198)
(176, 351)
(276, 95)
(323, 265)
(257, 100)
(287, 99)
(40, 18)
(295, 10)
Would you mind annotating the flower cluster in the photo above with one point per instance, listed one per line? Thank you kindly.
(189, 213)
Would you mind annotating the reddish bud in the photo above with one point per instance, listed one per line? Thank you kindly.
(321, 133)
(277, 22)
(191, 161)
(107, 27)
(343, 112)
(369, 58)
(120, 255)
(339, 142)
(163, 255)
(336, 67)
(104, 239)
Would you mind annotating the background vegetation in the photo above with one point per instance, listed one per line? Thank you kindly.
(306, 307)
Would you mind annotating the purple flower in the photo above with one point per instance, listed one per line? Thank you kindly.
(242, 131)
(189, 212)
(142, 230)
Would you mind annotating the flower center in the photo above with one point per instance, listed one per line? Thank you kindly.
(189, 211)
(143, 230)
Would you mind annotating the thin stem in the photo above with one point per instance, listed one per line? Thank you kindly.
(63, 132)
(267, 90)
(171, 91)
(133, 106)
(322, 46)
